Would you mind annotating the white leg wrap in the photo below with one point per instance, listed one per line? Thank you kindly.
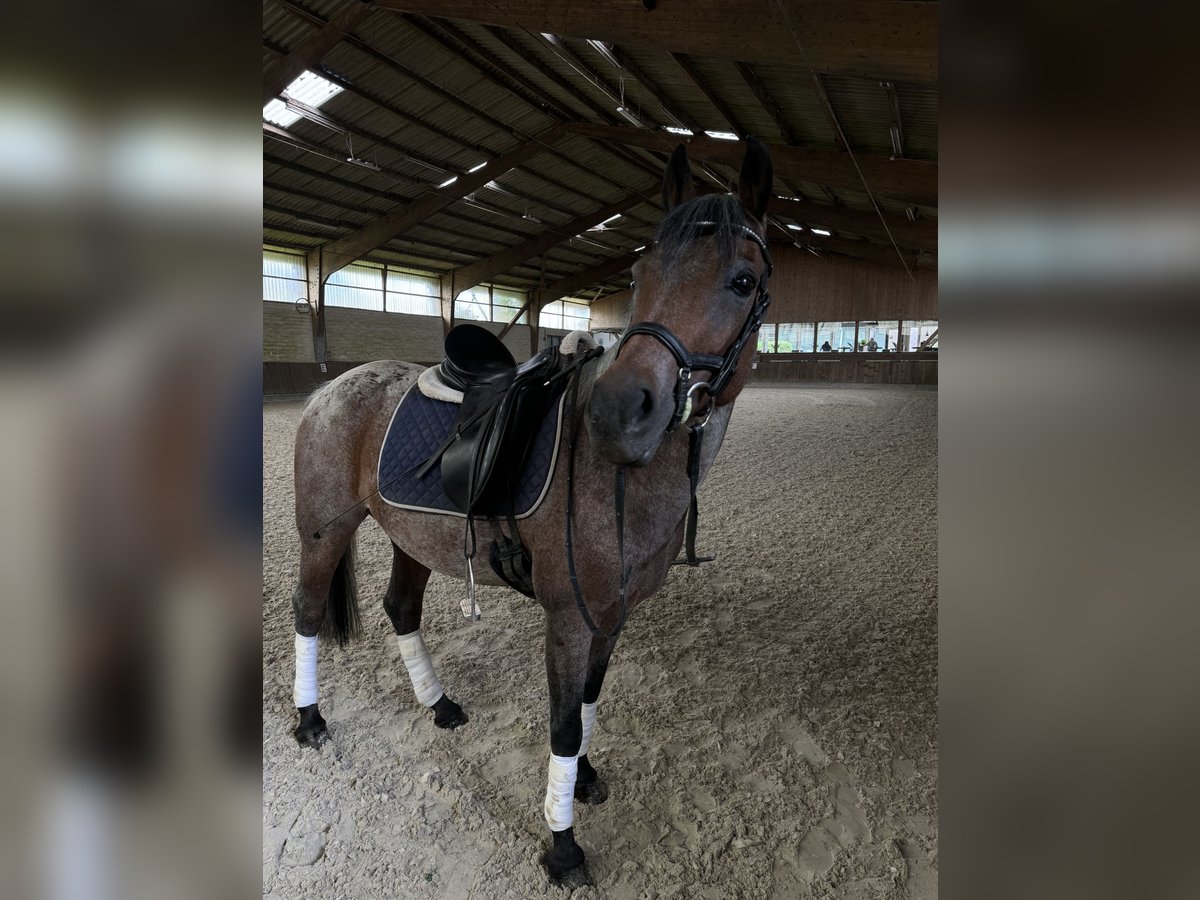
(560, 792)
(304, 692)
(589, 721)
(420, 668)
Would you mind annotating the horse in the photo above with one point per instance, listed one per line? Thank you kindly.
(645, 425)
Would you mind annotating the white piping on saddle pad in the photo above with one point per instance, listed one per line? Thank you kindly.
(431, 385)
(420, 668)
(589, 721)
(576, 341)
(304, 691)
(560, 792)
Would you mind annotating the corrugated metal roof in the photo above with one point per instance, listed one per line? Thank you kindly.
(427, 98)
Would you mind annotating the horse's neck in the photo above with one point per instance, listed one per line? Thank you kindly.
(670, 463)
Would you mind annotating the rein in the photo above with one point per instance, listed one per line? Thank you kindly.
(721, 369)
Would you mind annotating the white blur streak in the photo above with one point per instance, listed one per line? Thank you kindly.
(1026, 245)
(79, 849)
(42, 150)
(162, 162)
(151, 160)
(134, 332)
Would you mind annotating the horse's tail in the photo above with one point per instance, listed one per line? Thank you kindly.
(341, 621)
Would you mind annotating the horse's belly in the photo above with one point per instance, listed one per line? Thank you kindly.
(437, 541)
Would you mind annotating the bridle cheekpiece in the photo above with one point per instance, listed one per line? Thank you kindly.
(721, 367)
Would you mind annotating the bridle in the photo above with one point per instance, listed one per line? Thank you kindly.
(722, 369)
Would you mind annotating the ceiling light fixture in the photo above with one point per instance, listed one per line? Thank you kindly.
(309, 88)
(686, 132)
(604, 50)
(822, 232)
(795, 227)
(630, 116)
(722, 135)
(365, 163)
(477, 167)
(449, 181)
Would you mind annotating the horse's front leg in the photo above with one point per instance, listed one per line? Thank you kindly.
(568, 645)
(589, 788)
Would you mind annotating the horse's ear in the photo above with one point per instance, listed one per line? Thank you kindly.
(755, 183)
(678, 186)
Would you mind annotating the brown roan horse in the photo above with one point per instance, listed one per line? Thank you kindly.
(701, 290)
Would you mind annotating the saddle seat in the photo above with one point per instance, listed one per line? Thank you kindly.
(502, 408)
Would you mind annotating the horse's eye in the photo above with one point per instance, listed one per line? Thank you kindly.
(744, 284)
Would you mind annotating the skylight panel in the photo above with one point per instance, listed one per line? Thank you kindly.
(308, 88)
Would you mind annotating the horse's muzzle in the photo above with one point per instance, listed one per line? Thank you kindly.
(625, 419)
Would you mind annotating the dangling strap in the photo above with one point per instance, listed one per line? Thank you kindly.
(695, 443)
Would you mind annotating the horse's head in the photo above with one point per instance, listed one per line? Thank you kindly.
(699, 297)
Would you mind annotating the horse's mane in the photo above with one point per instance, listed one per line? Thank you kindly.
(679, 230)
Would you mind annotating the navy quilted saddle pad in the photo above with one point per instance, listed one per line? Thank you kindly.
(418, 428)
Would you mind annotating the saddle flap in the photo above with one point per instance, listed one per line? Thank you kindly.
(493, 436)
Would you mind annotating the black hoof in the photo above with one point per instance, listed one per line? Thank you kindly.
(311, 728)
(448, 714)
(594, 793)
(565, 863)
(588, 786)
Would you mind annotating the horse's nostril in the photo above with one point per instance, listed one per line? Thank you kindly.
(647, 402)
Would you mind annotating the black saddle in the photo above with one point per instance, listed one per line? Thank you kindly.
(503, 406)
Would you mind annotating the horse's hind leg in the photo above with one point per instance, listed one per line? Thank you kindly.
(403, 603)
(325, 603)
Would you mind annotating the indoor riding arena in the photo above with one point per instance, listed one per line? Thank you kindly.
(767, 724)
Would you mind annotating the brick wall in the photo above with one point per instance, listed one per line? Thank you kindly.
(359, 335)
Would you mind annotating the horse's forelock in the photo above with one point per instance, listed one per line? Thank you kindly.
(681, 229)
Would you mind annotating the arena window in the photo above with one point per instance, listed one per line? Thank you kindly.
(357, 286)
(283, 277)
(916, 332)
(363, 285)
(840, 335)
(490, 303)
(412, 293)
(796, 337)
(569, 315)
(884, 333)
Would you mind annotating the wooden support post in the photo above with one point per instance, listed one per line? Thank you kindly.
(315, 294)
(446, 295)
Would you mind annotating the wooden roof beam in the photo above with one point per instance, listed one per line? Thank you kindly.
(486, 269)
(294, 140)
(919, 235)
(884, 39)
(897, 135)
(579, 281)
(909, 181)
(487, 64)
(341, 253)
(861, 250)
(767, 102)
(709, 94)
(605, 114)
(284, 71)
(669, 106)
